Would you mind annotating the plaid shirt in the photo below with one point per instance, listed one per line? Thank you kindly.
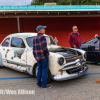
(74, 39)
(40, 50)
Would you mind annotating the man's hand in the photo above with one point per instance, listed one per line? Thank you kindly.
(74, 46)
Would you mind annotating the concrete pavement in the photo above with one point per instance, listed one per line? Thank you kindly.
(82, 88)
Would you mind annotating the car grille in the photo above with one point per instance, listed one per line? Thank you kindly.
(72, 59)
(74, 70)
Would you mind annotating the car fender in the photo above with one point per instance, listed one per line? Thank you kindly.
(53, 64)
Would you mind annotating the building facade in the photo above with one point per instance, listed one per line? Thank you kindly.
(59, 20)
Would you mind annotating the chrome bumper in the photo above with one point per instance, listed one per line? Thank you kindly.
(70, 76)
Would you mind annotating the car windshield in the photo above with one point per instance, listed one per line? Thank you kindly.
(92, 41)
(48, 39)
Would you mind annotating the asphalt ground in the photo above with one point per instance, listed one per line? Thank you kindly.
(14, 84)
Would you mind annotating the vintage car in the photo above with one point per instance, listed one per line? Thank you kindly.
(16, 52)
(92, 47)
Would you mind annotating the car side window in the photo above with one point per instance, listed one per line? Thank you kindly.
(6, 42)
(92, 41)
(17, 42)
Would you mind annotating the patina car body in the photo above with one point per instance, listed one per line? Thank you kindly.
(92, 47)
(64, 63)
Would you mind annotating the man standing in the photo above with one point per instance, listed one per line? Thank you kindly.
(41, 53)
(75, 38)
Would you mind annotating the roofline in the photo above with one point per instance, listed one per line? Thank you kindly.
(34, 11)
(50, 10)
(24, 33)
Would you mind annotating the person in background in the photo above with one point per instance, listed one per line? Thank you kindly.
(74, 38)
(41, 54)
(96, 36)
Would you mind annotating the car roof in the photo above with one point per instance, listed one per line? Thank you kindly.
(24, 35)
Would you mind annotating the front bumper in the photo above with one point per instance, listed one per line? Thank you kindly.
(66, 76)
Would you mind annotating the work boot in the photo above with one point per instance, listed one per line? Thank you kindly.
(47, 86)
(98, 81)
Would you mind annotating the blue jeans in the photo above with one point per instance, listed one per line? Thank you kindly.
(42, 72)
(78, 48)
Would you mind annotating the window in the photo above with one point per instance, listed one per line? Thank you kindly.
(92, 41)
(6, 42)
(17, 42)
(30, 41)
(48, 39)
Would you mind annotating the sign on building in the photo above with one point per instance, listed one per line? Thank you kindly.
(50, 3)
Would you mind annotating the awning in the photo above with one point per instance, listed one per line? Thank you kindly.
(49, 11)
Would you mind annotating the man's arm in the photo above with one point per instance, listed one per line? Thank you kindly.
(70, 41)
(44, 46)
(79, 37)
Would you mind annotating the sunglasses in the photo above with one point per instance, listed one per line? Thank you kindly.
(75, 28)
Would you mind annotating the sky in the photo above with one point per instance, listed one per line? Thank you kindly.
(15, 2)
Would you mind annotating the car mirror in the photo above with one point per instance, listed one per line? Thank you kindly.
(55, 39)
(51, 37)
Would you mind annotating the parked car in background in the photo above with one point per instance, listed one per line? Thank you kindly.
(16, 52)
(92, 47)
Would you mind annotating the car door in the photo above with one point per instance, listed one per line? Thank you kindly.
(92, 48)
(16, 56)
(4, 50)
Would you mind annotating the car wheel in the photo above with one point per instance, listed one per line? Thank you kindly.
(49, 79)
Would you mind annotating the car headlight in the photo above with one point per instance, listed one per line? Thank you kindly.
(85, 55)
(60, 60)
